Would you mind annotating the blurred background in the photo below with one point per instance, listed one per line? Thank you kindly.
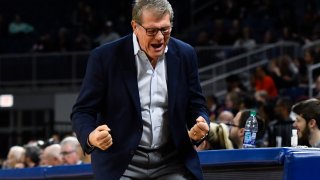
(44, 46)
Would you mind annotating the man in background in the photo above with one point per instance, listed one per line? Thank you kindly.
(278, 133)
(71, 151)
(307, 122)
(237, 128)
(51, 156)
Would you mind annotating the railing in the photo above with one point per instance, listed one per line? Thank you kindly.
(66, 70)
(312, 68)
(213, 76)
(36, 71)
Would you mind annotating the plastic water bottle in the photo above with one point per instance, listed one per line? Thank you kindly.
(250, 131)
(294, 138)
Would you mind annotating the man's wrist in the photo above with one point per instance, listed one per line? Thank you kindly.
(201, 140)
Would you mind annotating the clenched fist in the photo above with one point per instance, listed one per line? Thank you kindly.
(199, 130)
(101, 137)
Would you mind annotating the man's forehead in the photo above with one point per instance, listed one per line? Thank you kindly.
(300, 118)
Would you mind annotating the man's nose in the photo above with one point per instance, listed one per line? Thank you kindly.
(159, 35)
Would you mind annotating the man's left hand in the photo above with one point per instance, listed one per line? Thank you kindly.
(200, 130)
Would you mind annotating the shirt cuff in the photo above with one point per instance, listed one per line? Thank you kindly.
(89, 147)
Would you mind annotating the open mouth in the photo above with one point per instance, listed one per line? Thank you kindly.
(157, 47)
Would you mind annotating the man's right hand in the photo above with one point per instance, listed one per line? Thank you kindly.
(101, 137)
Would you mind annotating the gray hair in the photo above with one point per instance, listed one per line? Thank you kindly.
(71, 140)
(53, 151)
(158, 7)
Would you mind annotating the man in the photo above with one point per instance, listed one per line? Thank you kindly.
(140, 108)
(237, 125)
(308, 122)
(51, 156)
(71, 151)
(279, 130)
(32, 155)
(225, 117)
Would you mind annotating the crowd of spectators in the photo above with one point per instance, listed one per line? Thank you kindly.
(75, 26)
(272, 92)
(83, 25)
(46, 154)
(248, 23)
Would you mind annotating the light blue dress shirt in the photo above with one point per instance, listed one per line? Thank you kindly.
(153, 93)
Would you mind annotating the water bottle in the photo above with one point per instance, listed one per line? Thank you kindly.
(294, 138)
(250, 131)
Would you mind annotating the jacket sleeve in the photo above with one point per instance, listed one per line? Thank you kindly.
(197, 102)
(89, 101)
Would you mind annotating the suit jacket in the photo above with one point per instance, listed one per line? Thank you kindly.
(110, 95)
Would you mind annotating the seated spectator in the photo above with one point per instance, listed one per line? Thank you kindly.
(15, 158)
(264, 82)
(32, 157)
(107, 34)
(316, 90)
(218, 138)
(51, 156)
(248, 101)
(245, 41)
(234, 84)
(21, 36)
(308, 122)
(225, 117)
(213, 107)
(232, 102)
(18, 26)
(284, 73)
(237, 128)
(278, 133)
(310, 57)
(71, 151)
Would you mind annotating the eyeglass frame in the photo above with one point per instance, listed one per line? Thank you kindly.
(156, 30)
(65, 153)
(233, 125)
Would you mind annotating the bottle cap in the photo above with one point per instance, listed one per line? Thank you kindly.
(253, 113)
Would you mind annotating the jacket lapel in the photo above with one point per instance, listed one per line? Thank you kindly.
(130, 75)
(172, 77)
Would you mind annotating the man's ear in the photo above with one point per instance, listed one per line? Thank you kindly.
(312, 123)
(241, 132)
(134, 26)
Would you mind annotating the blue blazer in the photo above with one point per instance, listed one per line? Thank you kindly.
(110, 95)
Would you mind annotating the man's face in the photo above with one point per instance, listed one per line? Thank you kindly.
(302, 128)
(69, 155)
(236, 132)
(152, 45)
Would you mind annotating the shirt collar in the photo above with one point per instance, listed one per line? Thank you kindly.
(136, 46)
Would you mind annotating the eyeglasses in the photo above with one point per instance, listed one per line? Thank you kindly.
(154, 31)
(232, 125)
(64, 153)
